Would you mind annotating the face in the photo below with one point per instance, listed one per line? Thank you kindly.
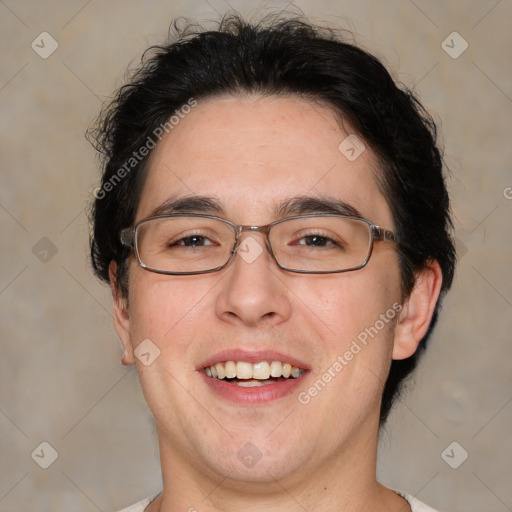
(251, 156)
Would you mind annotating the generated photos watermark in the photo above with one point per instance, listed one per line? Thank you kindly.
(356, 348)
(144, 150)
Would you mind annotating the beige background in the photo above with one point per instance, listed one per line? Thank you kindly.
(60, 375)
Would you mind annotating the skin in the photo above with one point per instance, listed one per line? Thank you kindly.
(252, 153)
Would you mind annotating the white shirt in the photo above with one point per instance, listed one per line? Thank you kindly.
(416, 505)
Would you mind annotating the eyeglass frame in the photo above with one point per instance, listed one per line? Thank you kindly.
(128, 238)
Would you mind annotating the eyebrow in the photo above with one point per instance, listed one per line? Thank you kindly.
(189, 204)
(316, 204)
(294, 206)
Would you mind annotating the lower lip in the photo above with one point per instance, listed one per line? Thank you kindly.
(254, 395)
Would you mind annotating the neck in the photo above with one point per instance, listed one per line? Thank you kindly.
(345, 480)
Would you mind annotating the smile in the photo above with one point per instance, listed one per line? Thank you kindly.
(245, 374)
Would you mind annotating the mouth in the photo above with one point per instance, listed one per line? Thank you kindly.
(249, 375)
(252, 377)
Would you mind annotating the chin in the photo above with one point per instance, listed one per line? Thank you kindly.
(257, 462)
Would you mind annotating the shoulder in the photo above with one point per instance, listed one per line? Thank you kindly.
(416, 505)
(139, 506)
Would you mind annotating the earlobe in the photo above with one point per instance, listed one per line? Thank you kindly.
(121, 317)
(417, 311)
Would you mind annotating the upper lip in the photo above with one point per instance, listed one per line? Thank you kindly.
(248, 356)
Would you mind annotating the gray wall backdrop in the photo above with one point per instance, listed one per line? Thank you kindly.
(61, 381)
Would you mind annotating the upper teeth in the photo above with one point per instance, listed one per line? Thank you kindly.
(244, 370)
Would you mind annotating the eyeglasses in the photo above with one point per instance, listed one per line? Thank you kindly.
(186, 244)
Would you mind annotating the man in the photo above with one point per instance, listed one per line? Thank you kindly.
(274, 224)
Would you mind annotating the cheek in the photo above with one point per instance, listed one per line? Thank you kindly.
(347, 304)
(167, 309)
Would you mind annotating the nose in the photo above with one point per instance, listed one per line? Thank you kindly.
(253, 291)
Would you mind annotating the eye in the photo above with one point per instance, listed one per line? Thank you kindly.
(316, 241)
(191, 241)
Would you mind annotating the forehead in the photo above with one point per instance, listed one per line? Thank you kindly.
(252, 154)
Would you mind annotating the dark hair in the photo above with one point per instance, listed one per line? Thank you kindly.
(279, 57)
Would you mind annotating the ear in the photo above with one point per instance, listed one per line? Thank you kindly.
(417, 311)
(121, 317)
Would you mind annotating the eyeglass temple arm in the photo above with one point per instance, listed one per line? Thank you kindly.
(384, 235)
(127, 237)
